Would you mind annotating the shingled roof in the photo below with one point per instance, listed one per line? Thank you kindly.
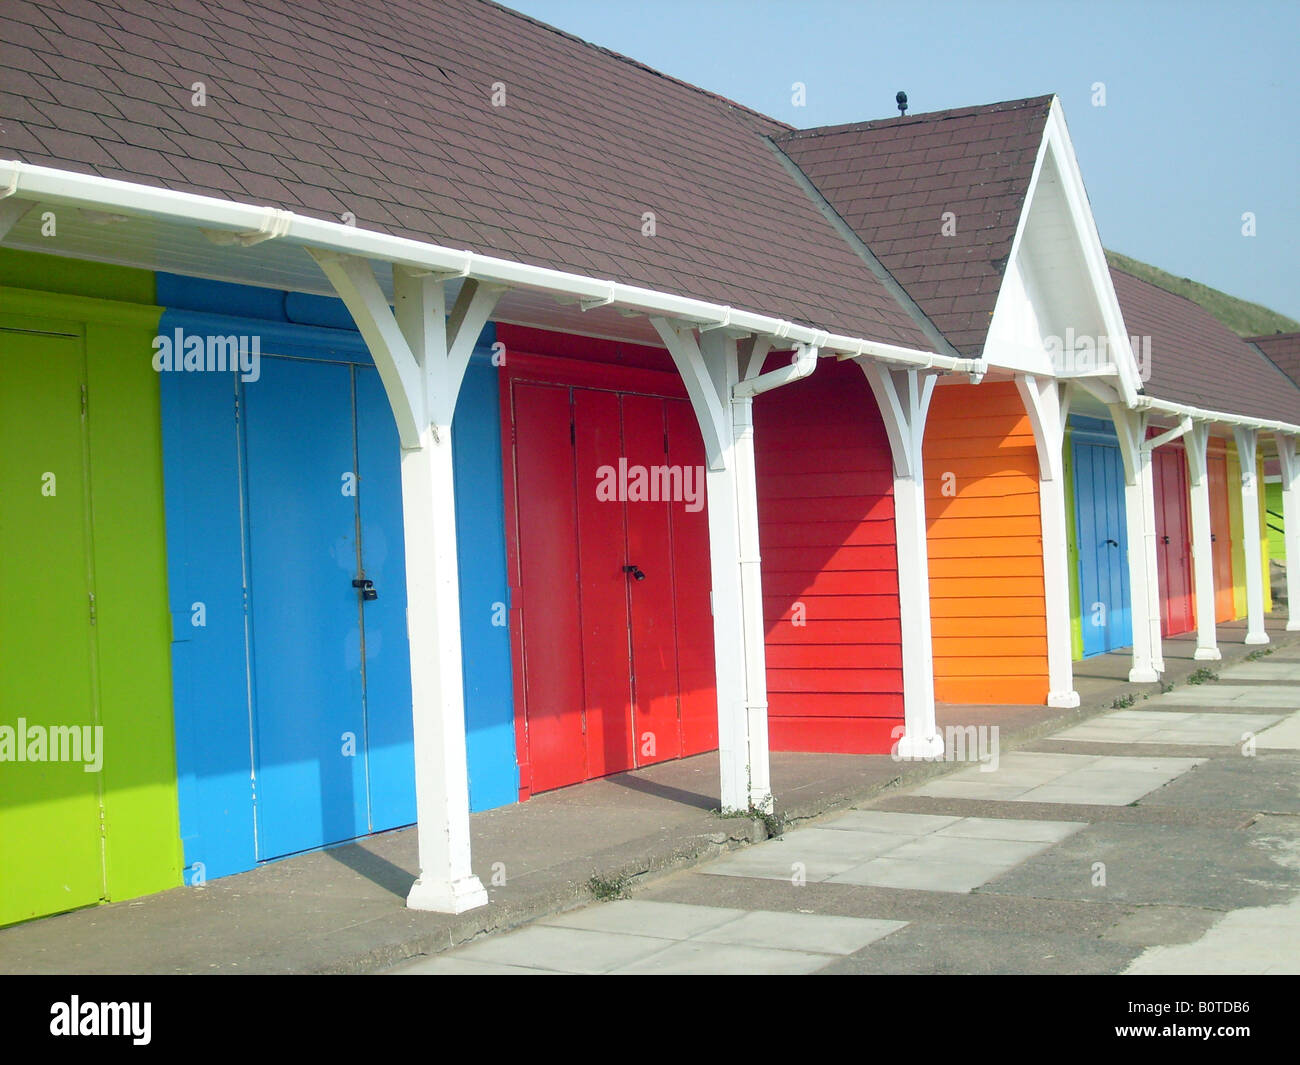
(892, 180)
(1284, 351)
(384, 109)
(1197, 360)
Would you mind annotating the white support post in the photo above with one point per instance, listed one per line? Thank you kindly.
(710, 368)
(1286, 453)
(1246, 442)
(1048, 405)
(904, 400)
(1198, 443)
(421, 357)
(1140, 520)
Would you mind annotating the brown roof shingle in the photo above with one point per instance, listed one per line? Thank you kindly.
(1284, 350)
(892, 180)
(1195, 359)
(385, 109)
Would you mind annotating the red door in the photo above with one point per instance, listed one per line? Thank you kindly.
(611, 536)
(1173, 541)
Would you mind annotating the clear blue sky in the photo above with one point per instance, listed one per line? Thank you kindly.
(1200, 123)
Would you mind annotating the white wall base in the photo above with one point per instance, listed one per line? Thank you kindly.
(457, 896)
(1258, 637)
(1292, 624)
(1063, 700)
(919, 747)
(1208, 654)
(1143, 676)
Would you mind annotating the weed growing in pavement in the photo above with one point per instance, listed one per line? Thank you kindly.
(607, 888)
(1122, 702)
(1166, 687)
(1262, 652)
(1202, 675)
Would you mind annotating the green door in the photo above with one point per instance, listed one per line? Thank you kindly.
(51, 854)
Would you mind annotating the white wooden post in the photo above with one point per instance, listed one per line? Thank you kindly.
(421, 356)
(1246, 441)
(1286, 453)
(904, 400)
(710, 369)
(1198, 443)
(1140, 521)
(1048, 405)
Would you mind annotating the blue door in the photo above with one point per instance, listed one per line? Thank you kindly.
(292, 692)
(333, 754)
(1104, 605)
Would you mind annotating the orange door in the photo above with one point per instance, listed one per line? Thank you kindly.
(1221, 532)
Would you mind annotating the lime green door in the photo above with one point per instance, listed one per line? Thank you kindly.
(51, 854)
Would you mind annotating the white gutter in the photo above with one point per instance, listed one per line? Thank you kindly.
(1182, 410)
(248, 224)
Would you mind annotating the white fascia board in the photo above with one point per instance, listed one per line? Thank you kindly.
(252, 223)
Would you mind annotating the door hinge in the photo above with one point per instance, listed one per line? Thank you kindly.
(92, 607)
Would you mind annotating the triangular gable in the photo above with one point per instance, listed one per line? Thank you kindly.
(1057, 312)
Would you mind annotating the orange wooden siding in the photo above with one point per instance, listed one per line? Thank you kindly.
(830, 571)
(984, 535)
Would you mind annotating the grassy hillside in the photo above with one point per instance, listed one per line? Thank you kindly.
(1243, 318)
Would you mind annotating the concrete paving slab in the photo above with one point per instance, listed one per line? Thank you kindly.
(1235, 695)
(1085, 779)
(1254, 672)
(955, 850)
(885, 821)
(950, 788)
(1284, 736)
(820, 842)
(1005, 828)
(808, 932)
(773, 861)
(1131, 726)
(662, 920)
(567, 950)
(958, 877)
(697, 958)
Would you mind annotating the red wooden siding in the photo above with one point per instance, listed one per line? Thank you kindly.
(984, 533)
(826, 528)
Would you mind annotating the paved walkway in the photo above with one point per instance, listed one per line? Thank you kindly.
(342, 910)
(1157, 840)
